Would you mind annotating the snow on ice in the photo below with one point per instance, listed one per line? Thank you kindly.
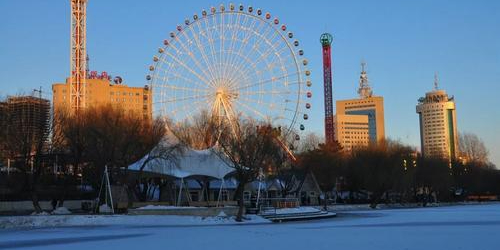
(473, 227)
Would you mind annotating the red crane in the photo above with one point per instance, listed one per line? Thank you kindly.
(326, 40)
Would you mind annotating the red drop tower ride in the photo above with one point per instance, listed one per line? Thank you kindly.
(326, 40)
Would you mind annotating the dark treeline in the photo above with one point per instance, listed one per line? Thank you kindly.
(394, 173)
(56, 160)
(51, 160)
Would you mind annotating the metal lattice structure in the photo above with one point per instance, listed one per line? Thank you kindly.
(364, 90)
(326, 41)
(234, 62)
(78, 54)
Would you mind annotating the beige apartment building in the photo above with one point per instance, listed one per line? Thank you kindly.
(360, 122)
(352, 131)
(438, 124)
(103, 92)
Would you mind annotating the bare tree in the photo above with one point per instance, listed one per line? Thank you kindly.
(108, 136)
(200, 133)
(473, 148)
(249, 149)
(310, 142)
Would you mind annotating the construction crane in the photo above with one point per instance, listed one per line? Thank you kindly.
(78, 54)
(326, 41)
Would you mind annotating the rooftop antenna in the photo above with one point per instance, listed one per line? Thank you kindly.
(364, 90)
(436, 81)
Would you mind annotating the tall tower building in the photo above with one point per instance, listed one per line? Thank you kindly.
(360, 122)
(438, 124)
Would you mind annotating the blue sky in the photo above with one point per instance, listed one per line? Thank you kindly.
(403, 43)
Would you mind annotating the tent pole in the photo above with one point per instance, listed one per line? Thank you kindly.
(180, 193)
(99, 195)
(220, 192)
(188, 195)
(109, 189)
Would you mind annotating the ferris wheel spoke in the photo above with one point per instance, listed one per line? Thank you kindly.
(263, 56)
(211, 45)
(244, 28)
(179, 76)
(221, 45)
(183, 98)
(187, 67)
(201, 48)
(195, 59)
(243, 34)
(233, 39)
(272, 92)
(191, 107)
(269, 105)
(265, 81)
(249, 32)
(168, 86)
(255, 111)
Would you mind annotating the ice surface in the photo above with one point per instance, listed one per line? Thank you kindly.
(473, 227)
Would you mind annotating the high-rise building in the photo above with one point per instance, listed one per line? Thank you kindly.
(438, 124)
(101, 91)
(29, 116)
(360, 122)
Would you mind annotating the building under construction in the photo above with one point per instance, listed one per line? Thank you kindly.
(29, 116)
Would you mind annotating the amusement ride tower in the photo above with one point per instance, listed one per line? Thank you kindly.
(78, 54)
(326, 41)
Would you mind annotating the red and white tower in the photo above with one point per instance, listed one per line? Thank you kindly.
(78, 54)
(326, 40)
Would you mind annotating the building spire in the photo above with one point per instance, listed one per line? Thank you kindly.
(364, 89)
(436, 81)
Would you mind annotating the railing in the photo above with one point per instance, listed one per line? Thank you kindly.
(269, 205)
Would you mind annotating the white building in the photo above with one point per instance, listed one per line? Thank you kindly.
(438, 124)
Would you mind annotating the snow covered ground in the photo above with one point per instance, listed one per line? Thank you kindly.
(50, 221)
(457, 227)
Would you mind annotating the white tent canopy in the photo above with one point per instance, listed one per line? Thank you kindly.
(188, 163)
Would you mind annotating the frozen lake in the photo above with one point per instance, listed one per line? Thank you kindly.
(459, 227)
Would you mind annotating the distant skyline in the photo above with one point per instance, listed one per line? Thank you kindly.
(403, 42)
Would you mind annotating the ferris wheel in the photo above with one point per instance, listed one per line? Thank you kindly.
(234, 62)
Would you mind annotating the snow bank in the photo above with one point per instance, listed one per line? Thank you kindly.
(105, 209)
(121, 220)
(61, 211)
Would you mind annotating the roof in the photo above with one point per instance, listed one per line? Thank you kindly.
(188, 163)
